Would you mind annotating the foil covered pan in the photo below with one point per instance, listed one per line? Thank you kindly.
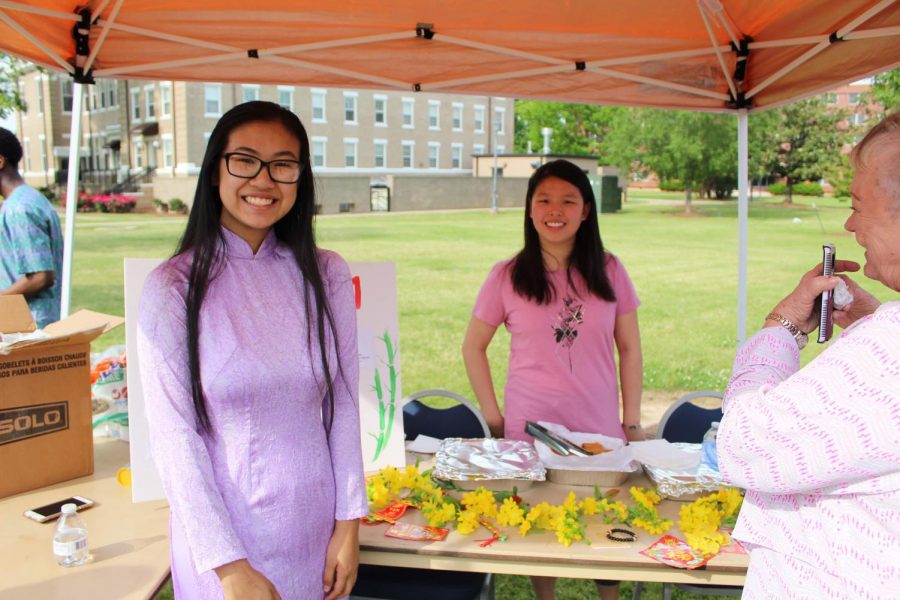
(487, 459)
(686, 484)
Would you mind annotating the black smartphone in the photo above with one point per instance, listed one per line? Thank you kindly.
(826, 302)
(50, 512)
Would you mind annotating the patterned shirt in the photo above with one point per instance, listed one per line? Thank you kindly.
(818, 451)
(31, 241)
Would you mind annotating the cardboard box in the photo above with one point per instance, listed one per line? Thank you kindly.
(45, 398)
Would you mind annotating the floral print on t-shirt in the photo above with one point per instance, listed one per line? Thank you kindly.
(565, 327)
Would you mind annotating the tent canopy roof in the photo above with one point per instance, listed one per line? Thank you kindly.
(692, 54)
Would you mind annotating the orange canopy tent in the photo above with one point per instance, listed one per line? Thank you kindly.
(713, 55)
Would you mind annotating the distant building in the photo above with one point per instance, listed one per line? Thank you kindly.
(151, 135)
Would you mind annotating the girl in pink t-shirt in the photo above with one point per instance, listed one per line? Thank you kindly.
(566, 303)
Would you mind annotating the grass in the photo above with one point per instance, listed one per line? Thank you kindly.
(684, 269)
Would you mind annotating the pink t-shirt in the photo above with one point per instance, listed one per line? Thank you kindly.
(562, 366)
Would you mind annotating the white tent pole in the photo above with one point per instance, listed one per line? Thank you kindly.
(71, 199)
(743, 158)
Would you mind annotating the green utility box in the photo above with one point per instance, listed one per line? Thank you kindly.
(607, 190)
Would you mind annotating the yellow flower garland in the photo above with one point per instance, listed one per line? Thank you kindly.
(700, 520)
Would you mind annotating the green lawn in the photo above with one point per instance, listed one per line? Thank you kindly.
(684, 269)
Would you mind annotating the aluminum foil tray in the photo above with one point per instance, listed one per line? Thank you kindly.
(685, 483)
(486, 459)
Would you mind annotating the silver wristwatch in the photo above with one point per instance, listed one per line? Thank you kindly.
(799, 336)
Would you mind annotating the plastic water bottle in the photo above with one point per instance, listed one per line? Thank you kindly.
(70, 542)
(710, 458)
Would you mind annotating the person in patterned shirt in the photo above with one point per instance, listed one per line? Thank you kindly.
(31, 242)
(818, 448)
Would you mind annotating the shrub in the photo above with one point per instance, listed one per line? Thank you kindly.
(804, 188)
(671, 185)
(48, 193)
(160, 205)
(85, 203)
(176, 205)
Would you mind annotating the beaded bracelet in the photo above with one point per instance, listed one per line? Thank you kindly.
(630, 536)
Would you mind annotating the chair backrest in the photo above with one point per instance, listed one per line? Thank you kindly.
(687, 422)
(461, 420)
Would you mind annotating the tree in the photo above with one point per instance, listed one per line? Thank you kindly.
(11, 99)
(577, 128)
(886, 89)
(804, 142)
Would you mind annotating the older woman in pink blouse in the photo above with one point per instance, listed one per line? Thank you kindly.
(818, 448)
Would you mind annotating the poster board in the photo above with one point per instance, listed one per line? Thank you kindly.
(380, 392)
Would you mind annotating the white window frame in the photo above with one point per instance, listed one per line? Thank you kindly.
(66, 88)
(411, 145)
(26, 153)
(456, 116)
(376, 144)
(168, 150)
(135, 94)
(434, 155)
(477, 148)
(45, 165)
(314, 141)
(253, 90)
(500, 119)
(165, 100)
(353, 99)
(478, 118)
(113, 93)
(351, 143)
(434, 114)
(289, 90)
(137, 153)
(150, 102)
(319, 93)
(384, 103)
(40, 93)
(408, 103)
(456, 155)
(212, 92)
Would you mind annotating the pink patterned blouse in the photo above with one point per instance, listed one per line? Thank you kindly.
(818, 451)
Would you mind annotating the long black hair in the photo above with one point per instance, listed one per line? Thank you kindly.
(203, 236)
(529, 277)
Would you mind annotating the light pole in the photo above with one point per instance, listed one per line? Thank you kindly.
(546, 131)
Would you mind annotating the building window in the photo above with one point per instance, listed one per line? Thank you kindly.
(168, 148)
(479, 119)
(26, 153)
(138, 150)
(381, 111)
(66, 88)
(853, 98)
(39, 80)
(501, 148)
(380, 153)
(350, 145)
(434, 151)
(101, 94)
(318, 151)
(478, 149)
(43, 142)
(212, 100)
(165, 98)
(859, 118)
(499, 125)
(286, 97)
(249, 92)
(407, 154)
(408, 114)
(350, 99)
(318, 106)
(457, 116)
(434, 114)
(456, 156)
(135, 105)
(113, 94)
(150, 97)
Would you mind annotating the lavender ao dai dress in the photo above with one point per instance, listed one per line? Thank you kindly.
(267, 483)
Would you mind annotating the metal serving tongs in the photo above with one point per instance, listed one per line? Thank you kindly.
(557, 443)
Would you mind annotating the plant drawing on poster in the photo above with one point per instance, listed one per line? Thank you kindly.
(380, 412)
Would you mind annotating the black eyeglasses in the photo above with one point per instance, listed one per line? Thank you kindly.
(247, 166)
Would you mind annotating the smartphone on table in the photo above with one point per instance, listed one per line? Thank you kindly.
(826, 301)
(50, 512)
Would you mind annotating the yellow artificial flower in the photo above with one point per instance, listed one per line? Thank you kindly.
(510, 514)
